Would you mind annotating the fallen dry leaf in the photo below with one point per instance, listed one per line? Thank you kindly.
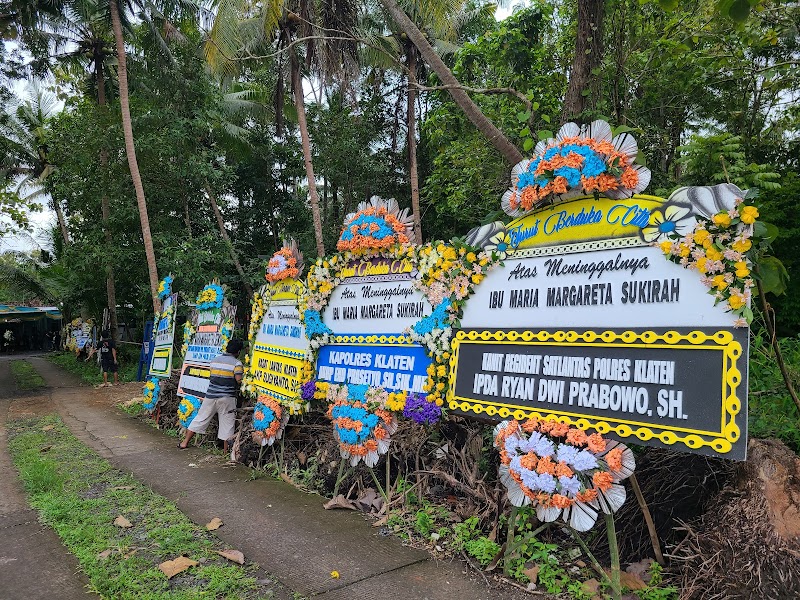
(120, 487)
(232, 555)
(214, 524)
(302, 458)
(121, 521)
(48, 427)
(339, 502)
(532, 573)
(381, 522)
(104, 554)
(591, 586)
(628, 580)
(170, 568)
(45, 449)
(641, 569)
(127, 555)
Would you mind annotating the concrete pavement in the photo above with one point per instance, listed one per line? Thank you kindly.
(285, 531)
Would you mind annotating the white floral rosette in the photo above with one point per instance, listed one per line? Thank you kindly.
(562, 471)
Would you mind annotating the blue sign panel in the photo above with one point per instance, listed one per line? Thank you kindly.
(392, 367)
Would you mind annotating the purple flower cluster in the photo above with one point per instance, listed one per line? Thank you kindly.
(308, 389)
(419, 410)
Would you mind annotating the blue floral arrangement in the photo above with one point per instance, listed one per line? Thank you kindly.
(438, 319)
(362, 225)
(150, 393)
(165, 287)
(187, 410)
(211, 296)
(314, 324)
(346, 418)
(593, 165)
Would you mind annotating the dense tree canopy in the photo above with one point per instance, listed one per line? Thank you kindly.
(710, 94)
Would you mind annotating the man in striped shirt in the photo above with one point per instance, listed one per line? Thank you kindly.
(226, 375)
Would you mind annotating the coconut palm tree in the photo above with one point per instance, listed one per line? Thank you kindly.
(239, 30)
(85, 37)
(441, 22)
(25, 159)
(471, 110)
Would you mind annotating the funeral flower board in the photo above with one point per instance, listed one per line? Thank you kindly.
(368, 314)
(164, 331)
(206, 337)
(610, 316)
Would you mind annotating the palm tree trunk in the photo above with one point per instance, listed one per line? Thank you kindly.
(105, 208)
(588, 54)
(227, 240)
(411, 56)
(313, 197)
(130, 151)
(500, 142)
(62, 224)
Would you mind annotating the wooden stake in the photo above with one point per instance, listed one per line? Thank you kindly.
(648, 518)
(613, 549)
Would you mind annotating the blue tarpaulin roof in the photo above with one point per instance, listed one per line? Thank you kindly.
(28, 312)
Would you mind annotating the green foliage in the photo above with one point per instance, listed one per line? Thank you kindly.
(463, 171)
(772, 413)
(482, 549)
(25, 376)
(654, 591)
(721, 159)
(79, 495)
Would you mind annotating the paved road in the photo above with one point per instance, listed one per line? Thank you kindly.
(33, 563)
(285, 531)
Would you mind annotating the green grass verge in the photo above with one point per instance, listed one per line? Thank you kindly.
(25, 376)
(90, 372)
(79, 495)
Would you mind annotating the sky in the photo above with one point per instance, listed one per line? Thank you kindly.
(42, 223)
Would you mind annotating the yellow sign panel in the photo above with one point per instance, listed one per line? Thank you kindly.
(286, 289)
(582, 220)
(276, 369)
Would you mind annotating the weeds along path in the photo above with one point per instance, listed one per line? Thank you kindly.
(33, 562)
(285, 531)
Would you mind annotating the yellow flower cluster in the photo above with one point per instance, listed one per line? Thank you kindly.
(321, 390)
(207, 295)
(718, 248)
(396, 401)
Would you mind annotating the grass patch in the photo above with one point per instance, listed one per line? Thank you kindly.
(90, 371)
(79, 495)
(25, 376)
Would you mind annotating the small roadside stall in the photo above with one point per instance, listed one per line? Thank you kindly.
(26, 328)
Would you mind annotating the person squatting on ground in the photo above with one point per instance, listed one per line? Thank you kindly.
(108, 356)
(226, 375)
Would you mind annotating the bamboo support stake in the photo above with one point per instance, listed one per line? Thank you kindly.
(613, 549)
(648, 518)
